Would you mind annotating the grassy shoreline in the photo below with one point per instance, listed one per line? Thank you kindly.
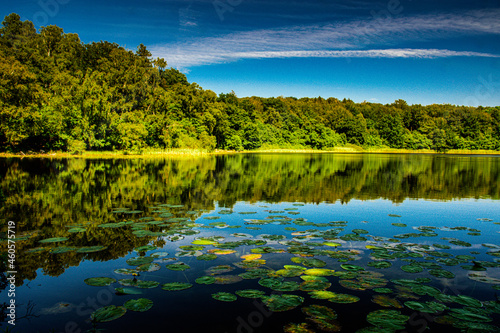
(200, 153)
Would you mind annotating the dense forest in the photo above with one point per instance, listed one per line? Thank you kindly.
(58, 93)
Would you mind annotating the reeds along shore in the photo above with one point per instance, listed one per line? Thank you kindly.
(202, 152)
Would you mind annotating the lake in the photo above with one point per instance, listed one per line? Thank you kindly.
(252, 243)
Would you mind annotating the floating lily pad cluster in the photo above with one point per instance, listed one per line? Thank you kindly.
(327, 263)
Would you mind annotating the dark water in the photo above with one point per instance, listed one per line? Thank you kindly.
(431, 212)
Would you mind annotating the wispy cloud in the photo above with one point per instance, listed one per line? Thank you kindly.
(347, 39)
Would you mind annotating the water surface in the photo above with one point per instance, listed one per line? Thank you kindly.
(437, 214)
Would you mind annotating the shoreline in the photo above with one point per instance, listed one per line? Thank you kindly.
(204, 153)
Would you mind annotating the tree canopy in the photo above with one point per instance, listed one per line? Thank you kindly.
(58, 93)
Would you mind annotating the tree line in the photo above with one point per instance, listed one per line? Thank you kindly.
(58, 93)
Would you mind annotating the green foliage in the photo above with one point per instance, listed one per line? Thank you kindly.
(57, 93)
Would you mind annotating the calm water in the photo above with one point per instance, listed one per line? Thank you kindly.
(417, 235)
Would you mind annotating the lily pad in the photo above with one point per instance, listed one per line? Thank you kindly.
(158, 255)
(127, 291)
(379, 264)
(349, 267)
(139, 283)
(152, 267)
(207, 257)
(428, 307)
(145, 248)
(285, 302)
(125, 271)
(297, 328)
(205, 280)
(322, 294)
(227, 279)
(386, 301)
(250, 293)
(91, 249)
(344, 298)
(108, 313)
(224, 297)
(441, 273)
(176, 286)
(314, 285)
(139, 305)
(53, 240)
(137, 261)
(319, 272)
(412, 268)
(62, 249)
(387, 319)
(220, 269)
(467, 315)
(99, 281)
(286, 286)
(180, 266)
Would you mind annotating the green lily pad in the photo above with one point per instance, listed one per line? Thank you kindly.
(412, 268)
(158, 255)
(386, 301)
(425, 290)
(321, 294)
(62, 249)
(224, 297)
(53, 240)
(314, 285)
(139, 305)
(127, 291)
(319, 311)
(180, 266)
(250, 293)
(227, 279)
(319, 272)
(147, 284)
(483, 278)
(383, 290)
(297, 328)
(428, 307)
(204, 242)
(77, 229)
(152, 267)
(107, 313)
(313, 278)
(256, 273)
(467, 315)
(205, 280)
(286, 286)
(343, 298)
(270, 282)
(468, 301)
(91, 249)
(207, 257)
(379, 264)
(145, 248)
(99, 281)
(176, 286)
(387, 319)
(125, 271)
(460, 243)
(220, 269)
(137, 261)
(441, 273)
(139, 283)
(289, 272)
(349, 267)
(285, 302)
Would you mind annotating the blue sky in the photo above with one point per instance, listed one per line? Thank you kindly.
(421, 51)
